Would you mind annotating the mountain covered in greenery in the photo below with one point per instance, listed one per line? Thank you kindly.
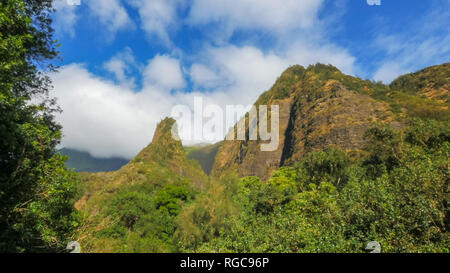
(431, 82)
(322, 108)
(139, 203)
(358, 161)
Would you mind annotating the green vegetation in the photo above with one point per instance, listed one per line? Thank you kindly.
(398, 194)
(145, 219)
(37, 192)
(314, 77)
(395, 190)
(284, 85)
(134, 217)
(432, 82)
(135, 208)
(423, 94)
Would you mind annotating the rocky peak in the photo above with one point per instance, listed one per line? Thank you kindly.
(164, 145)
(320, 107)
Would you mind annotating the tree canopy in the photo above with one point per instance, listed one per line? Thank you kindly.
(37, 192)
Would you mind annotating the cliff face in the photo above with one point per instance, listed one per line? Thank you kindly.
(334, 117)
(320, 108)
(246, 156)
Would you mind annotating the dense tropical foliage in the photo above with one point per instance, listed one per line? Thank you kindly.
(396, 190)
(36, 190)
(397, 193)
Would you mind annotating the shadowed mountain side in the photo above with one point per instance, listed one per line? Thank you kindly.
(84, 162)
(204, 154)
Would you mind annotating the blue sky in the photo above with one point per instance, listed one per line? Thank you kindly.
(126, 63)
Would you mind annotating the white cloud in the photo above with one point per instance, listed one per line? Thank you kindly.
(100, 117)
(253, 14)
(307, 52)
(65, 17)
(203, 76)
(111, 14)
(108, 119)
(406, 55)
(389, 71)
(161, 18)
(121, 65)
(158, 17)
(165, 72)
(242, 73)
(246, 72)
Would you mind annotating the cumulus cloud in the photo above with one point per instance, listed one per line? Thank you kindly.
(99, 117)
(203, 76)
(256, 14)
(164, 72)
(111, 14)
(241, 73)
(103, 118)
(111, 118)
(65, 17)
(107, 119)
(121, 66)
(238, 75)
(158, 17)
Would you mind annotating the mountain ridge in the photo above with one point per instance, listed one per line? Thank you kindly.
(163, 201)
(321, 108)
